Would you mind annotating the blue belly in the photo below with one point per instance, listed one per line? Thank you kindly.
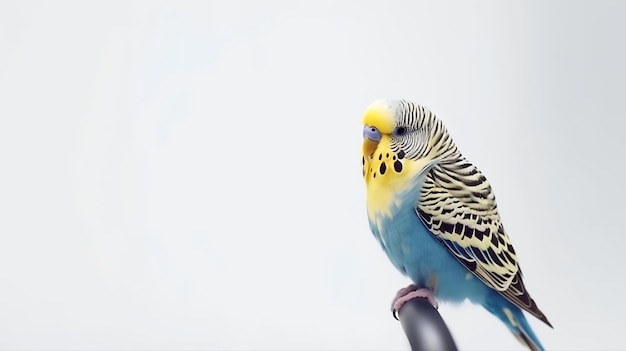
(416, 253)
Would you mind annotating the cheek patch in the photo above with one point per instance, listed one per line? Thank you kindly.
(383, 168)
(397, 166)
(383, 163)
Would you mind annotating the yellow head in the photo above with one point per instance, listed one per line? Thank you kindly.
(400, 141)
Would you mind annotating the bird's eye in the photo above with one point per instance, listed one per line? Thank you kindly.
(400, 131)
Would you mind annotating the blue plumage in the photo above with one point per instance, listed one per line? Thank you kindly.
(416, 253)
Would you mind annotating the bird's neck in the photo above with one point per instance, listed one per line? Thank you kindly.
(391, 192)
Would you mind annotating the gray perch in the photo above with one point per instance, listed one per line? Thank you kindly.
(424, 327)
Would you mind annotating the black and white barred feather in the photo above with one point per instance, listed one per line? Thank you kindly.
(458, 206)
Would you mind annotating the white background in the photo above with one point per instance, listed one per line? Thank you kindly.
(186, 175)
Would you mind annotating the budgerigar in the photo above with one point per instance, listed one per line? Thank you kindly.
(435, 216)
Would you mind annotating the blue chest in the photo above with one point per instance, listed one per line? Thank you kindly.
(416, 253)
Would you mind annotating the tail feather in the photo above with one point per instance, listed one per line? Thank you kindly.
(524, 333)
(515, 320)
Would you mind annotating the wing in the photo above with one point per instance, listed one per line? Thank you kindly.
(459, 208)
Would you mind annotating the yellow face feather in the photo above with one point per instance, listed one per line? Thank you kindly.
(381, 116)
(387, 173)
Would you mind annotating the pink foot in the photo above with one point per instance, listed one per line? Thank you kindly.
(409, 293)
